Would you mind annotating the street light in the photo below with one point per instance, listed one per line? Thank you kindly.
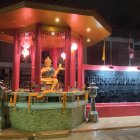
(93, 115)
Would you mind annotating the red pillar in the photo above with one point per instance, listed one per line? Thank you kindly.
(55, 57)
(72, 69)
(80, 62)
(67, 60)
(16, 63)
(38, 57)
(33, 65)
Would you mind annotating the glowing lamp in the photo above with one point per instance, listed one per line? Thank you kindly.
(104, 68)
(88, 40)
(52, 33)
(25, 53)
(25, 43)
(131, 69)
(88, 29)
(57, 19)
(63, 55)
(73, 46)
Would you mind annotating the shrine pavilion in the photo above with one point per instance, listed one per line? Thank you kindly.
(63, 29)
(33, 27)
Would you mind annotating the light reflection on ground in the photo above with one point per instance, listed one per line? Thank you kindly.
(119, 134)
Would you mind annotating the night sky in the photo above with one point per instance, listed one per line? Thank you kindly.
(121, 14)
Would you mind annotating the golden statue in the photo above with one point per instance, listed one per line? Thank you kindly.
(49, 74)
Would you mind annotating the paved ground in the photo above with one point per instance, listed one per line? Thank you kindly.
(119, 134)
(110, 123)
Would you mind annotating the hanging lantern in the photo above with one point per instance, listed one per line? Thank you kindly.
(25, 45)
(73, 46)
(63, 55)
(25, 52)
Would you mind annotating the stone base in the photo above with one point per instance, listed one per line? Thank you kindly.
(93, 116)
(38, 119)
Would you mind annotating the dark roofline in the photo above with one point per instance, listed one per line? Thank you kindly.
(57, 8)
(69, 3)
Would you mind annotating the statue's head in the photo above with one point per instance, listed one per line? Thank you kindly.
(48, 61)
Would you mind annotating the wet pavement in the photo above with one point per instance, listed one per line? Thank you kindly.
(118, 134)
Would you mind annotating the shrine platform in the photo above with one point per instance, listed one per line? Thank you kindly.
(34, 112)
(116, 109)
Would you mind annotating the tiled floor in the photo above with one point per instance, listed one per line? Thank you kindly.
(110, 123)
(119, 134)
(114, 128)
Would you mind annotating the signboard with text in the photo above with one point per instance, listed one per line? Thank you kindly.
(115, 86)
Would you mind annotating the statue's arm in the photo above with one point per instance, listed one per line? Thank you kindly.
(57, 70)
(42, 71)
